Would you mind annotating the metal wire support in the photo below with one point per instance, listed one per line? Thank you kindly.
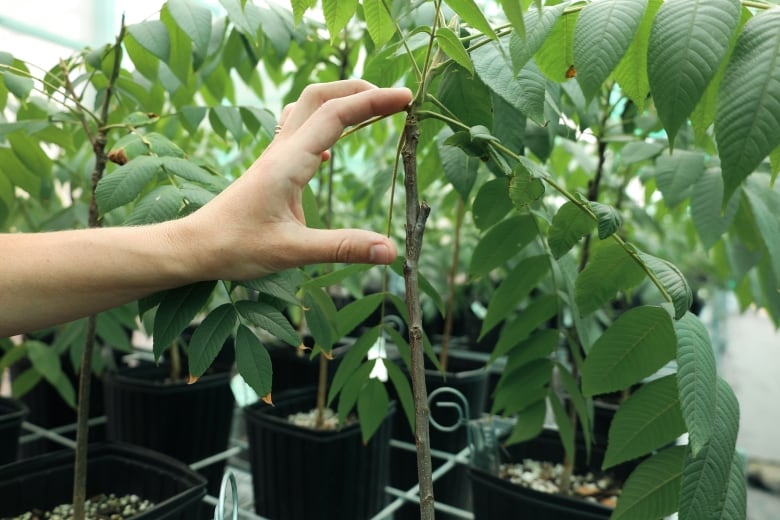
(461, 408)
(219, 511)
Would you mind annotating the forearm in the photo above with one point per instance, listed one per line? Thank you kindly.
(50, 278)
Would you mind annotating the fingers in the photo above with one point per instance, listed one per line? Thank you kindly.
(313, 96)
(344, 246)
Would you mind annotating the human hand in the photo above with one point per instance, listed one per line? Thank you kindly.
(256, 226)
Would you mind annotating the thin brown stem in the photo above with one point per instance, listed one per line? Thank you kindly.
(450, 308)
(416, 216)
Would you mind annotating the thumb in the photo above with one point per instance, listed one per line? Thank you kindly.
(353, 246)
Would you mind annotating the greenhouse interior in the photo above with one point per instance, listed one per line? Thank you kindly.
(389, 259)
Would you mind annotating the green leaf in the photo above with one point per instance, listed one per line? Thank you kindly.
(46, 361)
(253, 362)
(556, 55)
(524, 91)
(513, 11)
(609, 219)
(452, 46)
(459, 168)
(125, 183)
(195, 20)
(352, 360)
(282, 285)
(372, 406)
(159, 205)
(522, 386)
(538, 311)
(192, 172)
(491, 204)
(229, 118)
(470, 12)
(638, 343)
(269, 319)
(652, 490)
(30, 154)
(774, 162)
(673, 282)
(353, 314)
(152, 35)
(631, 72)
(747, 122)
(403, 390)
(530, 422)
(637, 151)
(764, 200)
(696, 379)
(565, 427)
(524, 188)
(502, 242)
(513, 289)
(676, 174)
(352, 389)
(568, 227)
(337, 14)
(688, 41)
(707, 475)
(705, 208)
(538, 24)
(648, 420)
(604, 31)
(457, 91)
(210, 336)
(609, 270)
(176, 311)
(378, 22)
(321, 317)
(540, 344)
(733, 504)
(162, 146)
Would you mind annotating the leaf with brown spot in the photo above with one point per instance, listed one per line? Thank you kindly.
(267, 399)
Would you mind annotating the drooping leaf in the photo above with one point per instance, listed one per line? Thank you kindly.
(652, 490)
(673, 281)
(459, 168)
(354, 313)
(513, 289)
(253, 362)
(747, 122)
(321, 317)
(457, 91)
(733, 503)
(706, 197)
(530, 422)
(688, 41)
(176, 311)
(452, 46)
(352, 360)
(46, 361)
(539, 344)
(269, 319)
(564, 424)
(529, 319)
(372, 408)
(631, 72)
(378, 22)
(676, 174)
(491, 204)
(538, 24)
(646, 421)
(502, 242)
(608, 219)
(609, 270)
(229, 118)
(337, 14)
(708, 474)
(522, 386)
(352, 389)
(152, 35)
(195, 20)
(637, 151)
(555, 57)
(281, 285)
(30, 154)
(638, 343)
(763, 200)
(403, 390)
(604, 31)
(470, 12)
(126, 182)
(568, 227)
(209, 337)
(696, 379)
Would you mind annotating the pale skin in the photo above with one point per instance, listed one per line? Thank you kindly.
(253, 228)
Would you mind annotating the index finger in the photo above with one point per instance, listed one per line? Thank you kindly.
(324, 127)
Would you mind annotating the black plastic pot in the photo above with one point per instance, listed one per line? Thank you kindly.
(12, 414)
(301, 474)
(495, 497)
(470, 378)
(47, 481)
(186, 422)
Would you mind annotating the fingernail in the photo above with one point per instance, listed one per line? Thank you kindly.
(378, 254)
